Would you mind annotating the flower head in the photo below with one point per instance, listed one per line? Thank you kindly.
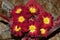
(16, 29)
(33, 29)
(19, 10)
(32, 10)
(21, 19)
(34, 7)
(46, 19)
(43, 32)
(16, 10)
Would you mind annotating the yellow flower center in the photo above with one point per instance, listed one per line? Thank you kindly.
(43, 31)
(17, 29)
(21, 19)
(32, 28)
(32, 9)
(18, 10)
(46, 20)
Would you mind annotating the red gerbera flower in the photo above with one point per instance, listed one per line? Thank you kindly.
(47, 20)
(16, 29)
(43, 32)
(34, 7)
(33, 29)
(16, 10)
(20, 19)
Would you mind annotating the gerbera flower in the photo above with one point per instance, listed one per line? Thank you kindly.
(20, 19)
(33, 29)
(16, 10)
(47, 19)
(16, 29)
(34, 7)
(43, 32)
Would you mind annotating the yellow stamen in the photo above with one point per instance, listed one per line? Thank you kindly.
(17, 28)
(32, 9)
(32, 28)
(43, 31)
(18, 10)
(21, 19)
(46, 20)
